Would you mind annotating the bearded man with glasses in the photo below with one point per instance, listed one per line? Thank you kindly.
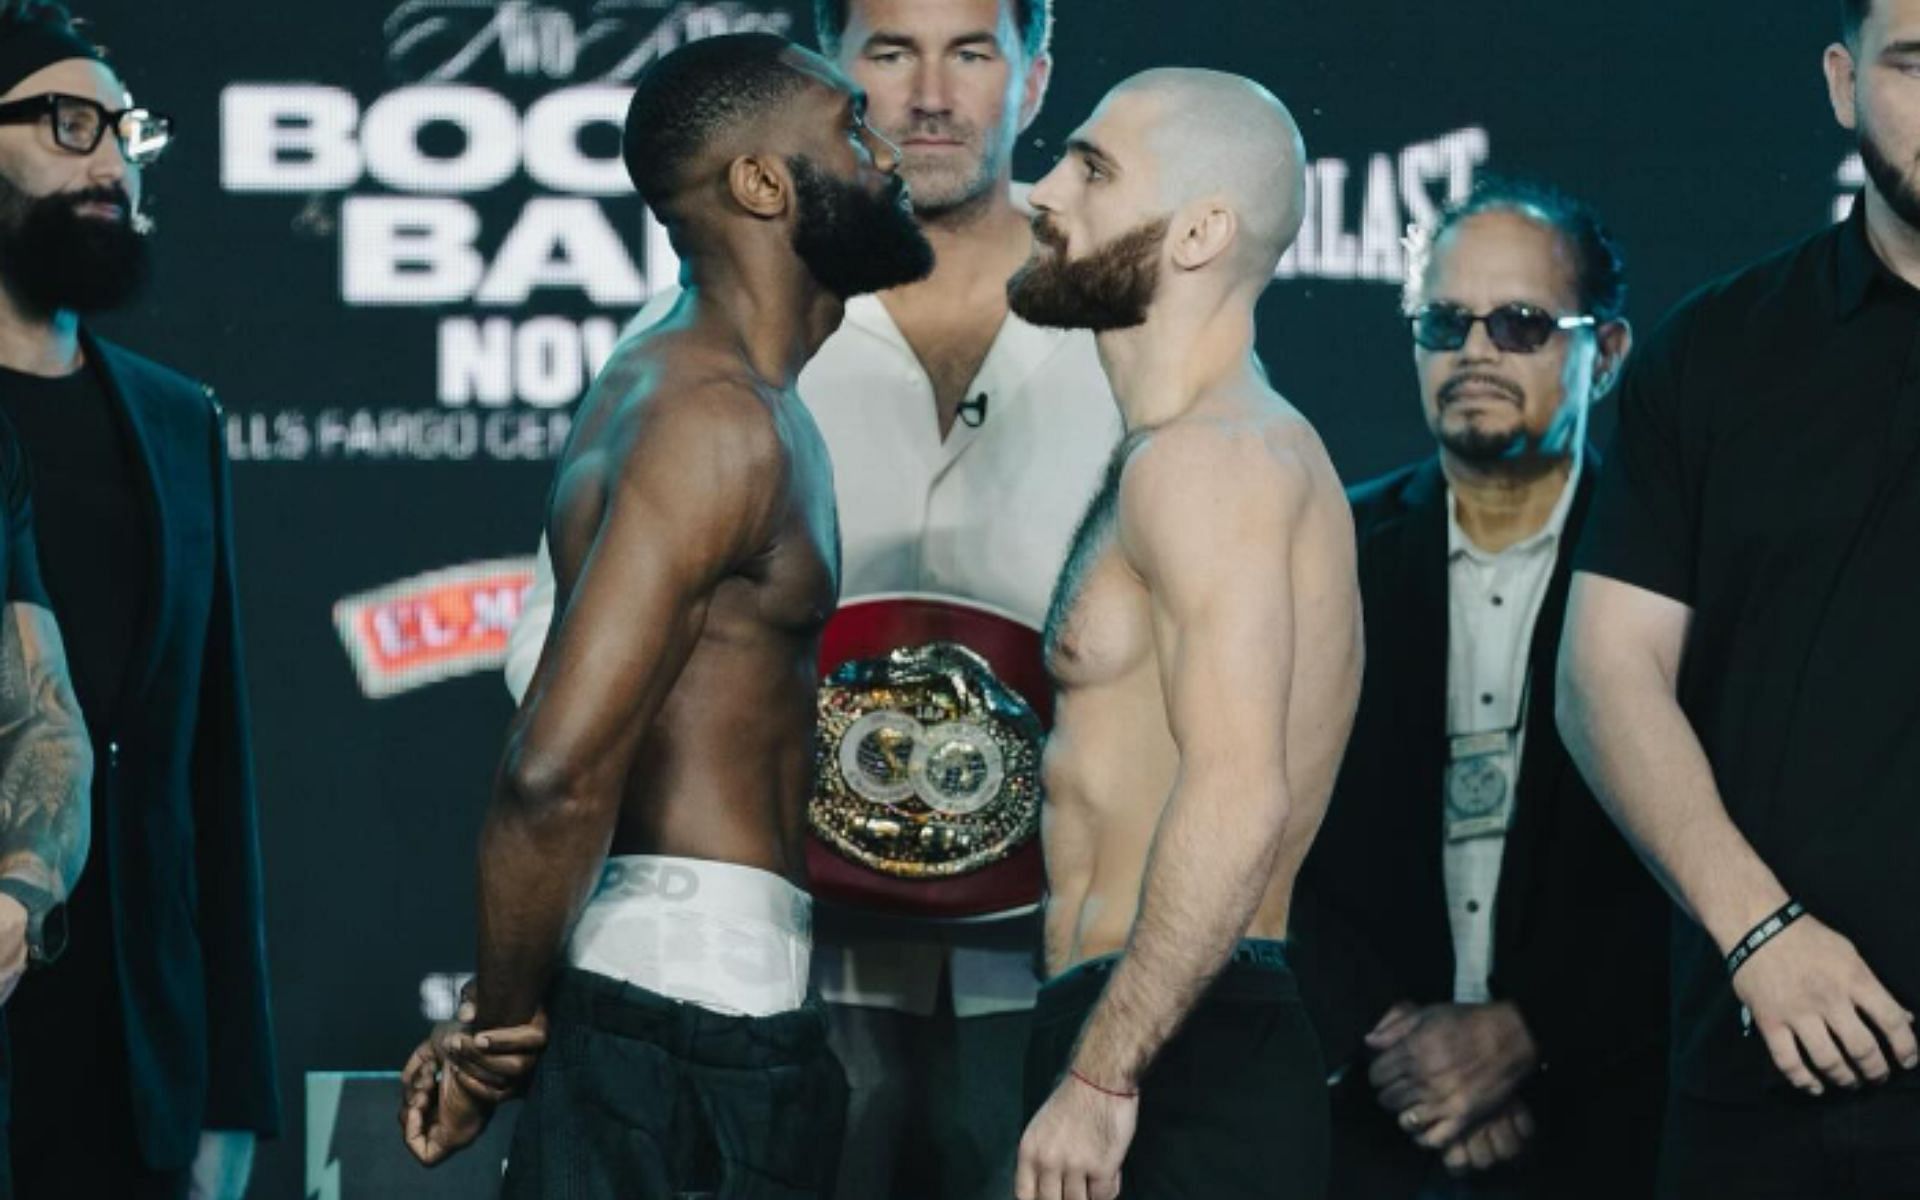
(1482, 954)
(140, 1063)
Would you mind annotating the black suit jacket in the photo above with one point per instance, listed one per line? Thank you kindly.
(1579, 923)
(173, 777)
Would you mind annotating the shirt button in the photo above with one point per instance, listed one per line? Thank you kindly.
(1497, 602)
(1486, 697)
(1473, 906)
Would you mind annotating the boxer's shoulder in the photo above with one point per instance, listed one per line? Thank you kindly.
(1205, 460)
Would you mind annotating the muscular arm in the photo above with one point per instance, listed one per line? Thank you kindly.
(46, 762)
(1207, 523)
(693, 498)
(529, 634)
(1619, 714)
(1809, 993)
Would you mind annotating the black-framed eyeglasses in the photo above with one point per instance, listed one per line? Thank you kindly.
(1515, 328)
(80, 123)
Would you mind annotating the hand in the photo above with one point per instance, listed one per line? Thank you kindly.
(439, 1115)
(494, 1064)
(1502, 1138)
(222, 1166)
(1809, 990)
(1393, 1026)
(1073, 1147)
(1448, 1067)
(13, 945)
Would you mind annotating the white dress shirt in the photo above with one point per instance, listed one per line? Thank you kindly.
(984, 514)
(1493, 601)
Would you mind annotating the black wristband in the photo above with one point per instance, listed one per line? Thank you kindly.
(1763, 933)
(46, 920)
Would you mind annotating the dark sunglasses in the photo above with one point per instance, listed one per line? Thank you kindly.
(1515, 328)
(80, 123)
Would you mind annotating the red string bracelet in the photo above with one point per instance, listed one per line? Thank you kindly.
(1134, 1095)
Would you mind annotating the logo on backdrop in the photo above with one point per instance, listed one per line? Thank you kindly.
(440, 40)
(485, 188)
(1357, 215)
(431, 627)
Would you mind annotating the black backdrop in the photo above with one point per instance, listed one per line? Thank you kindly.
(363, 459)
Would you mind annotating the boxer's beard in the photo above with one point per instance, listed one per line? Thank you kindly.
(53, 259)
(1110, 288)
(1895, 186)
(852, 241)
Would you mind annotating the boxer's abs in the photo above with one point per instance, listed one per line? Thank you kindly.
(1110, 768)
(725, 770)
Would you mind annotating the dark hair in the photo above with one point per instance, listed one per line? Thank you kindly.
(15, 14)
(700, 92)
(1853, 14)
(1033, 17)
(1603, 272)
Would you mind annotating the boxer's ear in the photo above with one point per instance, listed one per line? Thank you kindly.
(1201, 232)
(760, 185)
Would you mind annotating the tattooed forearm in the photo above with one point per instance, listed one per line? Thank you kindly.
(46, 761)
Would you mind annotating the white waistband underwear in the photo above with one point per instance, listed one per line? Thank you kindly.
(728, 938)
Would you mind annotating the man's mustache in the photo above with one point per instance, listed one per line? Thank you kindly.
(106, 193)
(1459, 383)
(1047, 233)
(942, 128)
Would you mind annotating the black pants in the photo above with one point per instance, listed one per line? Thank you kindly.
(639, 1097)
(935, 1107)
(1842, 1146)
(1374, 1159)
(1236, 1104)
(71, 1129)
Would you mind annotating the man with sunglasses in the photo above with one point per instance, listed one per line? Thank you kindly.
(141, 1062)
(1739, 677)
(1482, 954)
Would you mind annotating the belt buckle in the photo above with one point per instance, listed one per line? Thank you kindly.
(927, 766)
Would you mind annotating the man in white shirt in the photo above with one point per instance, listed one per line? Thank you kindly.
(1467, 918)
(966, 443)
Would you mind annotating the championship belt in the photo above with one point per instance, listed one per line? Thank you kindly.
(927, 762)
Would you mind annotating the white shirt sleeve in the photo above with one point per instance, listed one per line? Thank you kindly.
(529, 636)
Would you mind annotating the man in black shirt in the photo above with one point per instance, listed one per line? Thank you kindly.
(1739, 675)
(142, 1062)
(46, 765)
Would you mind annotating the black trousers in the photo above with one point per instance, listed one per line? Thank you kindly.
(1236, 1104)
(1842, 1146)
(639, 1097)
(71, 1126)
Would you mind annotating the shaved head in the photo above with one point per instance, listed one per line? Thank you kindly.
(1221, 136)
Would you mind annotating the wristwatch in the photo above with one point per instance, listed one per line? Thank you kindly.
(46, 920)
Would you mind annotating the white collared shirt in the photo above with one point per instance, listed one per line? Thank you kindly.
(985, 514)
(1493, 602)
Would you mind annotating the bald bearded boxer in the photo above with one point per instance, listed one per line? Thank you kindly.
(642, 868)
(1205, 643)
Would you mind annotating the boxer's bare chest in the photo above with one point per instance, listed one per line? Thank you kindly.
(797, 583)
(1099, 624)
